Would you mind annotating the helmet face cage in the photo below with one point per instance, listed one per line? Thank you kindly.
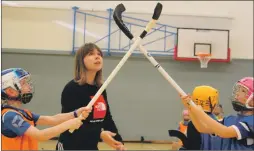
(27, 81)
(19, 80)
(26, 97)
(242, 96)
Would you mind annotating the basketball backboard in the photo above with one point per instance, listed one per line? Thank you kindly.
(191, 41)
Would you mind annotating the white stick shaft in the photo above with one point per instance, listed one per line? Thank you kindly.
(162, 71)
(119, 66)
(113, 73)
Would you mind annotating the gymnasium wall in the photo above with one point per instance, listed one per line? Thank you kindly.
(42, 30)
(50, 29)
(141, 100)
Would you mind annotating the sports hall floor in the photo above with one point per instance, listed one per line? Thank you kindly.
(50, 145)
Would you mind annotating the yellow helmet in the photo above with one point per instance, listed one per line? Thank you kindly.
(206, 96)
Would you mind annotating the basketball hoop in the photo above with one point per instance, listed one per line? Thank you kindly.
(204, 58)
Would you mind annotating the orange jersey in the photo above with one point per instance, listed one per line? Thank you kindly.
(23, 142)
(183, 129)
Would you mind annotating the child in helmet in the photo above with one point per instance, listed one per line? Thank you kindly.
(236, 132)
(18, 125)
(207, 98)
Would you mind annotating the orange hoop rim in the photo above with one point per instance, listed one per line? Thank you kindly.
(204, 54)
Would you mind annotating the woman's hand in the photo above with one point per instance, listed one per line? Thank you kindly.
(107, 137)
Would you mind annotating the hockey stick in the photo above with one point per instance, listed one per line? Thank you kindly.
(126, 31)
(180, 135)
(117, 16)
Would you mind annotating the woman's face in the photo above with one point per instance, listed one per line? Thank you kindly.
(93, 61)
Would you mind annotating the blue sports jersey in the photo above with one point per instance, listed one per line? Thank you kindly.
(13, 124)
(209, 141)
(244, 126)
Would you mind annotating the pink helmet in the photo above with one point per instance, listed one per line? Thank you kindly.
(246, 82)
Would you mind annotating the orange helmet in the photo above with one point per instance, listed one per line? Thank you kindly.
(206, 96)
